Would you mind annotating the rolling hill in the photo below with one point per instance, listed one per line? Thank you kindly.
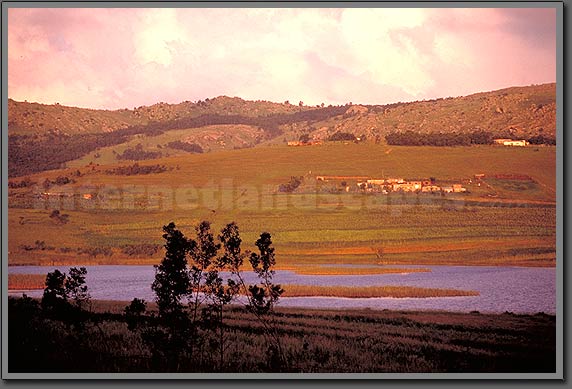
(46, 137)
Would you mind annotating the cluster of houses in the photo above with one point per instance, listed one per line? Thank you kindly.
(511, 142)
(386, 185)
(48, 195)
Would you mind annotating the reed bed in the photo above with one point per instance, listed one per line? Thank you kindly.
(26, 281)
(294, 290)
(341, 270)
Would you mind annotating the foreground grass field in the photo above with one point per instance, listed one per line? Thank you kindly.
(314, 341)
(500, 222)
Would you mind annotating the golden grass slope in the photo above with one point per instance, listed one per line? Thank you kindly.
(518, 227)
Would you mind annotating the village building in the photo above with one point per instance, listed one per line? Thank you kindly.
(381, 185)
(394, 180)
(407, 186)
(511, 142)
(430, 188)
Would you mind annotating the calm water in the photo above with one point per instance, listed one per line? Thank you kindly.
(514, 289)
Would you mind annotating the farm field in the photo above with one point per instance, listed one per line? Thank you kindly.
(501, 222)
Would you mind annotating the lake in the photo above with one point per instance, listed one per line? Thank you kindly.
(513, 289)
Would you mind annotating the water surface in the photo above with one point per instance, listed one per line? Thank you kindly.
(513, 289)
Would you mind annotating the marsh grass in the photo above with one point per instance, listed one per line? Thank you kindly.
(340, 270)
(26, 281)
(294, 290)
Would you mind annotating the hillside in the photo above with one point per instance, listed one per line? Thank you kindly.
(46, 137)
(34, 118)
(519, 112)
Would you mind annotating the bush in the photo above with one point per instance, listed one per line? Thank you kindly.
(137, 154)
(292, 185)
(136, 169)
(341, 136)
(188, 147)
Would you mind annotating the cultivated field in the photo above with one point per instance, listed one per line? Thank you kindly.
(500, 222)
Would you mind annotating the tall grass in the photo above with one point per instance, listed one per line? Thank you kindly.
(339, 270)
(359, 341)
(26, 281)
(294, 290)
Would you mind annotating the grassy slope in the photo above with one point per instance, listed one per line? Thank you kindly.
(229, 136)
(240, 185)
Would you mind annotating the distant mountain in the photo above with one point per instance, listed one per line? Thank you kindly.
(518, 112)
(44, 137)
(35, 118)
(522, 111)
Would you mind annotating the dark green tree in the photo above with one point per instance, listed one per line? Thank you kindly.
(76, 287)
(134, 313)
(169, 340)
(171, 282)
(54, 298)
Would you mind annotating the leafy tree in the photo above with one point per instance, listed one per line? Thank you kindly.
(263, 297)
(192, 270)
(76, 288)
(267, 294)
(171, 277)
(202, 253)
(58, 291)
(169, 341)
(54, 297)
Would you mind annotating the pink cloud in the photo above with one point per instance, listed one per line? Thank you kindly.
(115, 58)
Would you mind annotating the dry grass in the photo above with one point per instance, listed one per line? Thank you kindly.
(294, 290)
(314, 340)
(409, 229)
(339, 270)
(26, 281)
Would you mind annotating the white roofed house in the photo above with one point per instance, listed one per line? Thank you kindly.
(511, 142)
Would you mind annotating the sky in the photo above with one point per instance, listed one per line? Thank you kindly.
(125, 58)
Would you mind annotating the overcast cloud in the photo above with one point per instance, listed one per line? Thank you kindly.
(121, 58)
